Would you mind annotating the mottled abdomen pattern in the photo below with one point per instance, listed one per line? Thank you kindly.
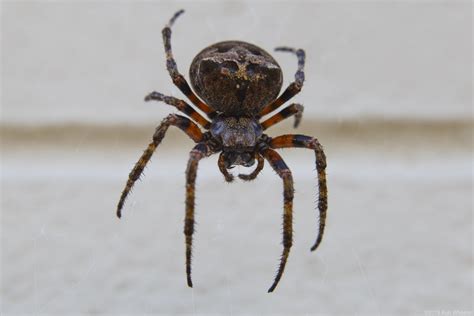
(235, 77)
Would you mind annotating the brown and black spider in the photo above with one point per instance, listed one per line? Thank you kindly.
(240, 83)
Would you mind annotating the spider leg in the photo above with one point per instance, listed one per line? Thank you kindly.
(254, 174)
(221, 164)
(183, 123)
(178, 78)
(180, 105)
(200, 151)
(293, 109)
(285, 141)
(284, 172)
(294, 87)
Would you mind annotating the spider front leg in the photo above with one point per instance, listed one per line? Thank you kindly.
(200, 151)
(284, 172)
(222, 167)
(183, 123)
(246, 177)
(294, 88)
(286, 141)
(254, 174)
(176, 76)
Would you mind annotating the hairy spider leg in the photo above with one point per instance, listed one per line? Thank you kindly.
(295, 109)
(178, 79)
(200, 151)
(180, 105)
(284, 172)
(294, 87)
(221, 164)
(254, 174)
(286, 141)
(183, 123)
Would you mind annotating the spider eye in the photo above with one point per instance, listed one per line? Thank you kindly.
(257, 129)
(217, 128)
(246, 157)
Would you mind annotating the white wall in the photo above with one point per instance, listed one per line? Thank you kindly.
(95, 61)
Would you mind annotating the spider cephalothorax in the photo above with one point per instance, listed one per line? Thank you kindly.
(238, 137)
(239, 83)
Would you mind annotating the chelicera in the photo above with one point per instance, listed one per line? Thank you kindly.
(239, 83)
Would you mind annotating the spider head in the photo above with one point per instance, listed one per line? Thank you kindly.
(233, 158)
(238, 136)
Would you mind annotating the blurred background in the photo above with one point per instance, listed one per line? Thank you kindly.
(388, 92)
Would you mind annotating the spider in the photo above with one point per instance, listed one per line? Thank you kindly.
(239, 83)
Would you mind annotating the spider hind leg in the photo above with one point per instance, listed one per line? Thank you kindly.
(180, 105)
(295, 109)
(294, 88)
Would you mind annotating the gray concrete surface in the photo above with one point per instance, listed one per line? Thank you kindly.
(95, 61)
(398, 240)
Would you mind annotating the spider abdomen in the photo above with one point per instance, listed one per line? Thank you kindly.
(236, 77)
